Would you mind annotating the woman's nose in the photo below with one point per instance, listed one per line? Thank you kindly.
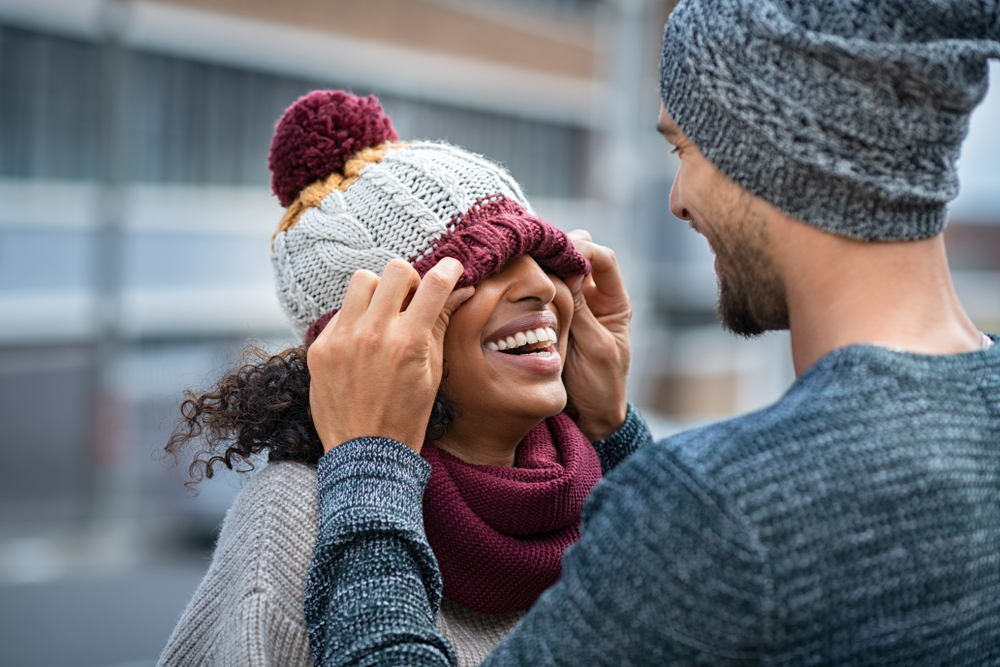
(676, 200)
(529, 281)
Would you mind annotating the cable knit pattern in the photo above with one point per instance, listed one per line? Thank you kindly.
(846, 115)
(421, 202)
(356, 199)
(854, 522)
(247, 611)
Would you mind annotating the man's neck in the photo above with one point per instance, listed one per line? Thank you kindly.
(843, 292)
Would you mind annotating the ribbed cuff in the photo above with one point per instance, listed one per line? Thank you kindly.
(372, 480)
(629, 437)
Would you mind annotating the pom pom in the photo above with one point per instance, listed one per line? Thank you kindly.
(318, 134)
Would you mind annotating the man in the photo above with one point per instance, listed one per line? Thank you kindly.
(856, 521)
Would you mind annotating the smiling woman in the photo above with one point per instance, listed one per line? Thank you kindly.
(509, 469)
(503, 393)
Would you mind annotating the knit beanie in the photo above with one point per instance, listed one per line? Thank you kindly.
(846, 114)
(357, 198)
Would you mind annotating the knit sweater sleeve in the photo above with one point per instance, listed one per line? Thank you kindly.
(374, 588)
(629, 438)
(664, 572)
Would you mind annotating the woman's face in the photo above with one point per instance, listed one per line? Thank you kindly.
(505, 346)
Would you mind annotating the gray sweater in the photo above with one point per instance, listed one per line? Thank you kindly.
(247, 611)
(855, 522)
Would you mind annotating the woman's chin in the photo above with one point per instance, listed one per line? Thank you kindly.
(543, 404)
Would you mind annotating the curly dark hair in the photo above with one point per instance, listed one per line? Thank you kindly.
(261, 404)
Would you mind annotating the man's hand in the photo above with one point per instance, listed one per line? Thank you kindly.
(599, 352)
(376, 368)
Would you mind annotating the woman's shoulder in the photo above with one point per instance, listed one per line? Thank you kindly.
(276, 510)
(279, 488)
(251, 596)
(284, 473)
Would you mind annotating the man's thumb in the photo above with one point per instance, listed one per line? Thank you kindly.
(451, 304)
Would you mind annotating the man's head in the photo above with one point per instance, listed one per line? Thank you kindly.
(736, 225)
(843, 115)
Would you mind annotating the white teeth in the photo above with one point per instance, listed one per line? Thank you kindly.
(540, 353)
(541, 335)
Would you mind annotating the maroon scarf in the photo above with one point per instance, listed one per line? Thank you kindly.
(499, 532)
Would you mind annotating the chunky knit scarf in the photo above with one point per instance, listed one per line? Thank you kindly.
(499, 532)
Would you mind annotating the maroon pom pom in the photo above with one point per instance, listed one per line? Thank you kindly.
(318, 134)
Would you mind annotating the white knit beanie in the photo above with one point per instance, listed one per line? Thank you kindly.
(357, 198)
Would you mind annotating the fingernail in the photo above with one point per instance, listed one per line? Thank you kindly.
(452, 260)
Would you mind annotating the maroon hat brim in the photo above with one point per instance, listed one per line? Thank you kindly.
(484, 238)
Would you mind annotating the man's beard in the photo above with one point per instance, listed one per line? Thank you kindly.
(751, 292)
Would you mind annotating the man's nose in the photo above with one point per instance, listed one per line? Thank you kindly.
(676, 200)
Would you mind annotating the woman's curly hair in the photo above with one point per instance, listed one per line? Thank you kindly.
(261, 404)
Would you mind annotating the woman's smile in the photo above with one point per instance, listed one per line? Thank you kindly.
(530, 343)
(504, 352)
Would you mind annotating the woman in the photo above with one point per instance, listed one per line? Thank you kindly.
(509, 468)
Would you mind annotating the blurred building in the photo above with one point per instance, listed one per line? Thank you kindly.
(135, 213)
(135, 209)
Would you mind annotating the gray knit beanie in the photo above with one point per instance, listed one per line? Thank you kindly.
(846, 114)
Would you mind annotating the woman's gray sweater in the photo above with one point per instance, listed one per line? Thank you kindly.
(854, 522)
(247, 611)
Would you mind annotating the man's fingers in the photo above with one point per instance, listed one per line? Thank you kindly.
(433, 292)
(358, 296)
(455, 299)
(399, 279)
(585, 323)
(602, 259)
(575, 285)
(607, 275)
(604, 283)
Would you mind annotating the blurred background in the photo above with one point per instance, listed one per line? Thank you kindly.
(135, 215)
